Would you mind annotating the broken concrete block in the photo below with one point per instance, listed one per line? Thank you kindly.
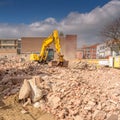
(25, 90)
(36, 92)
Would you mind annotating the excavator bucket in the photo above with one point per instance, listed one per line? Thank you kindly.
(65, 63)
(56, 63)
(59, 62)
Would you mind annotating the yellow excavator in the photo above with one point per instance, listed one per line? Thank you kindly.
(46, 54)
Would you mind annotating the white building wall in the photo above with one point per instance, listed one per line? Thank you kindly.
(103, 51)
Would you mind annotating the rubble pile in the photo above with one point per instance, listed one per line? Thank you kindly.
(83, 65)
(73, 93)
(73, 98)
(13, 72)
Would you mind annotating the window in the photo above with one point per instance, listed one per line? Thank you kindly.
(7, 42)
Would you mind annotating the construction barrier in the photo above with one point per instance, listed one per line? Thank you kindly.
(117, 62)
(99, 62)
(110, 62)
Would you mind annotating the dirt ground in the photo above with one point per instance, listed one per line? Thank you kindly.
(12, 111)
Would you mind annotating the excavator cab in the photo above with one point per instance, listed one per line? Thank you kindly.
(50, 55)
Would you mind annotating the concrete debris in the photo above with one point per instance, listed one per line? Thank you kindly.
(113, 117)
(2, 104)
(100, 115)
(36, 104)
(83, 65)
(24, 111)
(79, 92)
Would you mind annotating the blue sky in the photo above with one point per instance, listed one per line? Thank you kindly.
(27, 11)
(35, 18)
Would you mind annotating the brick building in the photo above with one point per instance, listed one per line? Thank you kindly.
(87, 52)
(8, 46)
(34, 44)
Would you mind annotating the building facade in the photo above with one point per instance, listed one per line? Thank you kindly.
(8, 46)
(103, 51)
(87, 52)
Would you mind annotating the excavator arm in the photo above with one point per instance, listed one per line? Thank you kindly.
(45, 45)
(56, 41)
(53, 38)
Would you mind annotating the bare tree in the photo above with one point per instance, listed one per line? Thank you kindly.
(112, 32)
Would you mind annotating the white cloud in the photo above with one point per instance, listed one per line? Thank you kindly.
(87, 26)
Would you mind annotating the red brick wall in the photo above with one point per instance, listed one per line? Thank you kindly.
(70, 46)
